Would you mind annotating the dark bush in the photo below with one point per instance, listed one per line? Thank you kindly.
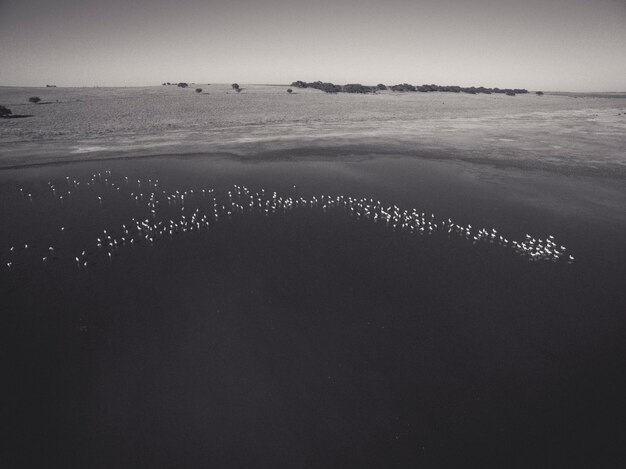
(34, 99)
(235, 86)
(510, 93)
(326, 87)
(357, 88)
(198, 90)
(318, 85)
(403, 87)
(183, 85)
(4, 111)
(539, 93)
(289, 90)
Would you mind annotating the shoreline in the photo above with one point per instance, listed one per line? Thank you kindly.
(339, 152)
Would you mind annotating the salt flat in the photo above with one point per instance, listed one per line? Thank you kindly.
(580, 133)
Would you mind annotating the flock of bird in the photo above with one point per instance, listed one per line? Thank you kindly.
(195, 211)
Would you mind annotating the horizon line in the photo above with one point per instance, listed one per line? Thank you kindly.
(250, 84)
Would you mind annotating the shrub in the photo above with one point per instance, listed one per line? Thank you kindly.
(318, 85)
(198, 90)
(403, 87)
(357, 88)
(235, 86)
(34, 99)
(289, 90)
(4, 111)
(183, 85)
(539, 93)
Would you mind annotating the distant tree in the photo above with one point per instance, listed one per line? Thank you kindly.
(34, 99)
(4, 111)
(403, 87)
(510, 93)
(289, 90)
(168, 83)
(198, 90)
(183, 85)
(539, 93)
(164, 84)
(358, 88)
(327, 87)
(235, 86)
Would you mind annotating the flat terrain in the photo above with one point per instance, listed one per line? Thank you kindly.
(582, 133)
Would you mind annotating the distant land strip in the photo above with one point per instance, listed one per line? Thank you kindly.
(405, 87)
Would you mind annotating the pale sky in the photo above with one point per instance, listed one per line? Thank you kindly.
(555, 45)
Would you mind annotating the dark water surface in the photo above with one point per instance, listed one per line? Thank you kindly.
(311, 338)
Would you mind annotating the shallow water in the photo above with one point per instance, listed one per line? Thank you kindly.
(582, 134)
(312, 337)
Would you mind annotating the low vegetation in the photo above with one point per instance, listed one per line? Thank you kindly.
(6, 113)
(403, 87)
(34, 99)
(183, 85)
(198, 90)
(318, 85)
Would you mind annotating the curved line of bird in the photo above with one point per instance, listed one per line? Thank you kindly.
(240, 199)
